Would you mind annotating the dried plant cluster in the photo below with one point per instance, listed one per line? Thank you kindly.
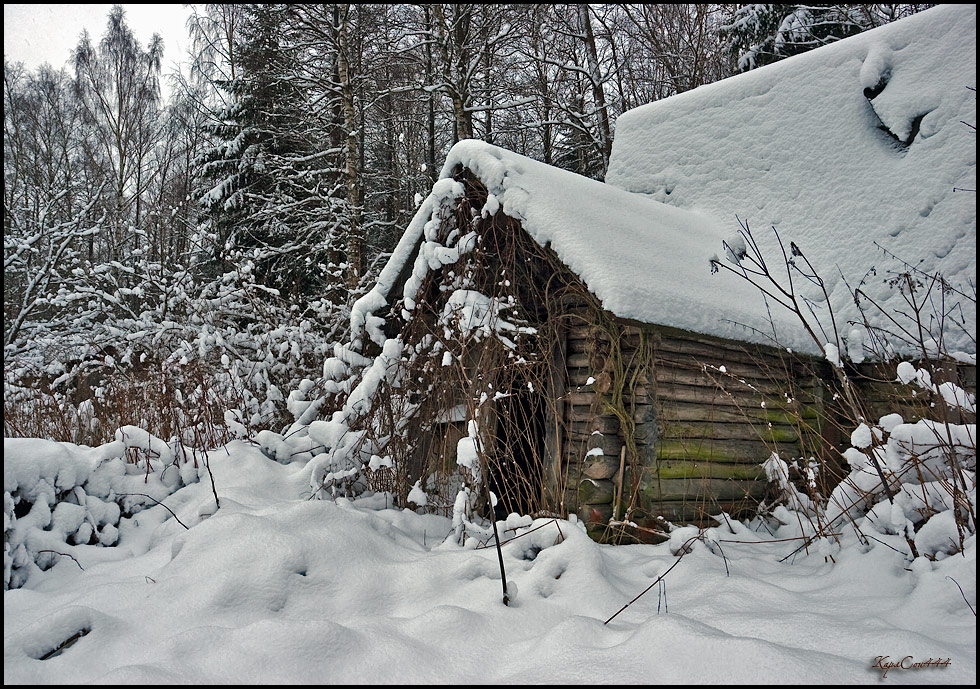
(894, 447)
(477, 372)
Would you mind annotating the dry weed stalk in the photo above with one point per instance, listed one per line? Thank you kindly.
(920, 328)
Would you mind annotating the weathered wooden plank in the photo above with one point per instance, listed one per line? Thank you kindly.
(710, 347)
(586, 399)
(642, 413)
(581, 399)
(601, 345)
(705, 395)
(579, 376)
(729, 431)
(751, 370)
(707, 489)
(737, 451)
(696, 470)
(668, 375)
(682, 411)
(735, 364)
(586, 331)
(607, 425)
(684, 375)
(644, 433)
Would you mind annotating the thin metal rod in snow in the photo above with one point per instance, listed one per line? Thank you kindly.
(496, 539)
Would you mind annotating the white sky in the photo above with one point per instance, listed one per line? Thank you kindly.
(34, 34)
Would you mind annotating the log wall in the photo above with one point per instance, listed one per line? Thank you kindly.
(705, 414)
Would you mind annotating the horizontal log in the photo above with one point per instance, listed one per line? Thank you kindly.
(601, 346)
(700, 513)
(644, 433)
(683, 411)
(579, 374)
(891, 391)
(705, 395)
(729, 431)
(642, 413)
(580, 399)
(737, 451)
(697, 470)
(703, 490)
(712, 379)
(735, 364)
(586, 399)
(608, 425)
(587, 331)
(707, 348)
(591, 367)
(749, 371)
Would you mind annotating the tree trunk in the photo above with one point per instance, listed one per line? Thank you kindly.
(592, 59)
(355, 238)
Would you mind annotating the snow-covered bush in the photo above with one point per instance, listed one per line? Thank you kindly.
(916, 481)
(59, 498)
(175, 367)
(928, 495)
(408, 412)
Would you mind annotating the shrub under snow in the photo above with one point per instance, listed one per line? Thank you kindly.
(58, 497)
(930, 468)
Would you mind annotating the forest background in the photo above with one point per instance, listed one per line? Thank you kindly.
(186, 264)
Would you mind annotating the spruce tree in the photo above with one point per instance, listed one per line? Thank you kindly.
(760, 34)
(272, 193)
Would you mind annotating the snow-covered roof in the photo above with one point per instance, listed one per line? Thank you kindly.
(643, 259)
(797, 145)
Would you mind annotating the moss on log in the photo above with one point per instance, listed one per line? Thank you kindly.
(734, 451)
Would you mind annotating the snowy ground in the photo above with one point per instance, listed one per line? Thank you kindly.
(274, 588)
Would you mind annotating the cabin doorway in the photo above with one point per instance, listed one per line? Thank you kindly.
(517, 472)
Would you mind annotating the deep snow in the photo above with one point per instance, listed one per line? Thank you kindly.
(276, 588)
(273, 587)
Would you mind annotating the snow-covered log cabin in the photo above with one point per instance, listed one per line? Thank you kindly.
(566, 341)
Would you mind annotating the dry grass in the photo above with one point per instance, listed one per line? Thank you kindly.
(185, 403)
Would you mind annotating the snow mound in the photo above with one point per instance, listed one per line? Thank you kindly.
(60, 498)
(275, 588)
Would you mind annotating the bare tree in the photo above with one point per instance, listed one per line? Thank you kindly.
(119, 91)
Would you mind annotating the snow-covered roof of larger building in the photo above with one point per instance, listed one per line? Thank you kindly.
(799, 145)
(795, 145)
